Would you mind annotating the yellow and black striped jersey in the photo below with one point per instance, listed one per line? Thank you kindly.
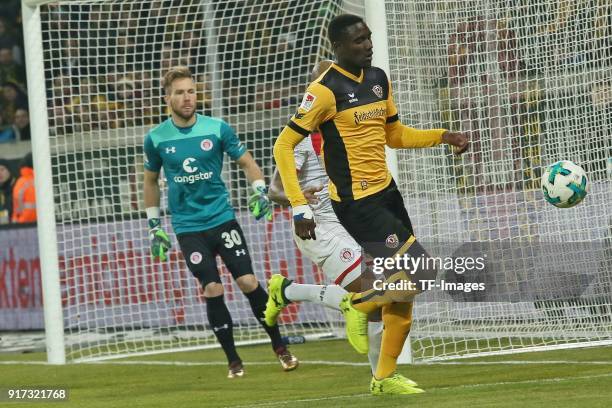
(357, 118)
(351, 113)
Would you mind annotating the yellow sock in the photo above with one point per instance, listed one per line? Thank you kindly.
(372, 299)
(397, 319)
(360, 302)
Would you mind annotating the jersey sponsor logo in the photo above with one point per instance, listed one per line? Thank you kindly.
(352, 96)
(378, 91)
(371, 114)
(206, 145)
(307, 101)
(171, 149)
(392, 241)
(195, 258)
(192, 178)
(347, 255)
(187, 165)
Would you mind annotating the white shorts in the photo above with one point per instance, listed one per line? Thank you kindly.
(334, 251)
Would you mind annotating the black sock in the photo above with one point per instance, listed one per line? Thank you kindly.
(221, 324)
(258, 299)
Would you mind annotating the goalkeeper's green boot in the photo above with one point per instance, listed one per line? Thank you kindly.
(356, 325)
(276, 298)
(394, 385)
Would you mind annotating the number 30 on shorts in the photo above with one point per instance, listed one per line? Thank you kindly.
(231, 238)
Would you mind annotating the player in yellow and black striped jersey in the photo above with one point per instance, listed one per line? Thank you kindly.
(352, 106)
(357, 118)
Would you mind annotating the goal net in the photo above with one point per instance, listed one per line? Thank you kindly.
(529, 81)
(531, 84)
(103, 62)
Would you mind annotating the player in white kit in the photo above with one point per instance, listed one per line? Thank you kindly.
(334, 250)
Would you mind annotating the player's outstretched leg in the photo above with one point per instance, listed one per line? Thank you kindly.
(356, 325)
(284, 291)
(276, 298)
(356, 321)
(258, 299)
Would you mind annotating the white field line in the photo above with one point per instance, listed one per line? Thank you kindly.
(430, 389)
(312, 362)
(188, 363)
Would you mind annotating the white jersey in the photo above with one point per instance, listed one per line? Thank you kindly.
(334, 250)
(311, 174)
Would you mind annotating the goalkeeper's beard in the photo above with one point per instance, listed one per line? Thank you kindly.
(181, 115)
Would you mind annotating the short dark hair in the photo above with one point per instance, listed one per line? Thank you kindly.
(26, 161)
(337, 27)
(177, 72)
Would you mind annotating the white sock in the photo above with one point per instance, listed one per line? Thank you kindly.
(326, 295)
(375, 330)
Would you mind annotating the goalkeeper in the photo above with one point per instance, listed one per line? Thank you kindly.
(352, 106)
(190, 148)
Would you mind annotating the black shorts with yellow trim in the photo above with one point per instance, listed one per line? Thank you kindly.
(378, 222)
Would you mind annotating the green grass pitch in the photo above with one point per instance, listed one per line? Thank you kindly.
(331, 375)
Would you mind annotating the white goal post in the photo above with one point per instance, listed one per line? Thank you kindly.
(53, 317)
(529, 81)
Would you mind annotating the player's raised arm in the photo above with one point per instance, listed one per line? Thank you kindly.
(405, 137)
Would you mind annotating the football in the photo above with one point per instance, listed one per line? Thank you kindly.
(564, 184)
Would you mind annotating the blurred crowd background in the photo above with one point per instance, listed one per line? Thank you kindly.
(103, 65)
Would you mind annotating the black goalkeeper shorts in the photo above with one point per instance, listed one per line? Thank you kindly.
(201, 248)
(378, 222)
